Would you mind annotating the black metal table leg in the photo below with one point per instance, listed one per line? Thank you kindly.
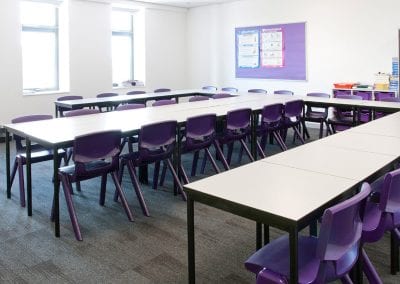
(28, 177)
(8, 164)
(258, 235)
(190, 232)
(293, 240)
(56, 193)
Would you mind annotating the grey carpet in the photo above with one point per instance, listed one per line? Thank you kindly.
(149, 250)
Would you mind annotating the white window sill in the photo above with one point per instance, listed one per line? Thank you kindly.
(59, 92)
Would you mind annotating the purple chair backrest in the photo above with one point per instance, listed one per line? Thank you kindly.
(88, 149)
(260, 91)
(272, 113)
(221, 96)
(164, 102)
(366, 95)
(130, 106)
(238, 119)
(136, 93)
(391, 99)
(200, 130)
(341, 92)
(157, 140)
(294, 108)
(379, 96)
(162, 90)
(283, 92)
(390, 194)
(106, 95)
(18, 139)
(210, 88)
(198, 98)
(229, 89)
(320, 95)
(79, 112)
(69, 98)
(340, 232)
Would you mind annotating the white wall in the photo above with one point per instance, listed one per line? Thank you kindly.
(164, 36)
(346, 40)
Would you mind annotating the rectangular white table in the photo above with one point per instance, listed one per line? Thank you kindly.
(270, 194)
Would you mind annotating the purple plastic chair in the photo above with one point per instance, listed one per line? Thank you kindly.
(230, 89)
(317, 116)
(198, 98)
(61, 110)
(379, 114)
(293, 118)
(130, 106)
(164, 103)
(79, 112)
(162, 90)
(271, 124)
(200, 134)
(259, 91)
(156, 143)
(382, 214)
(237, 128)
(93, 159)
(343, 116)
(107, 95)
(329, 257)
(222, 96)
(283, 92)
(38, 154)
(210, 88)
(135, 93)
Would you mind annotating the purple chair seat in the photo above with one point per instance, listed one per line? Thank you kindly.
(210, 88)
(258, 91)
(164, 103)
(198, 98)
(329, 257)
(222, 96)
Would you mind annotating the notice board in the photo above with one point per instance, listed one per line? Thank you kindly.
(271, 51)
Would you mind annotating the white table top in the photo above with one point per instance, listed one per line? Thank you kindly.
(385, 126)
(266, 187)
(339, 162)
(364, 142)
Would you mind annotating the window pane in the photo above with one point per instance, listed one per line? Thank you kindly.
(39, 60)
(38, 14)
(121, 21)
(122, 58)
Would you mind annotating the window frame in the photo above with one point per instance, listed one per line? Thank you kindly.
(125, 33)
(47, 29)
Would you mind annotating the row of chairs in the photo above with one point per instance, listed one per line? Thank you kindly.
(260, 91)
(273, 120)
(345, 227)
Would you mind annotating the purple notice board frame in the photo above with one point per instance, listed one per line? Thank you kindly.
(294, 67)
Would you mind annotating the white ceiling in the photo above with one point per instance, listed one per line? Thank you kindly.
(186, 4)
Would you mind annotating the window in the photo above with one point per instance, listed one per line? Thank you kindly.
(40, 41)
(122, 46)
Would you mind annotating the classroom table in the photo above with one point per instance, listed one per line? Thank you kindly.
(279, 197)
(331, 160)
(122, 99)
